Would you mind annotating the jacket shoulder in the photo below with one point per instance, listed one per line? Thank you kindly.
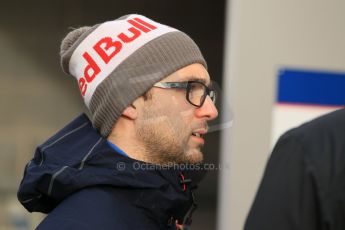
(331, 124)
(321, 142)
(97, 208)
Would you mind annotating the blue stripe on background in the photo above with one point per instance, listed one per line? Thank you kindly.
(311, 87)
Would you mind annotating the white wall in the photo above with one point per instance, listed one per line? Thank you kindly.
(263, 36)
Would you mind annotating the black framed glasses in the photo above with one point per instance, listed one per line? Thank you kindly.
(196, 91)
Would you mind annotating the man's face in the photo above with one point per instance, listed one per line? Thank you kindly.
(167, 124)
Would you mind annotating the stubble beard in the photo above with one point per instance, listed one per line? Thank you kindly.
(165, 140)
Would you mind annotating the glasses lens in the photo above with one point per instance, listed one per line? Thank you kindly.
(197, 93)
(213, 96)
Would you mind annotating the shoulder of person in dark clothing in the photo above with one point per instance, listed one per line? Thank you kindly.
(303, 186)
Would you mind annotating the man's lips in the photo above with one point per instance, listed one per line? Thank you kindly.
(199, 133)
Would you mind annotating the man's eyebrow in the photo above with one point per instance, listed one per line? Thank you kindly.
(198, 79)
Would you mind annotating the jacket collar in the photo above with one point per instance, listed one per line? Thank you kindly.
(55, 172)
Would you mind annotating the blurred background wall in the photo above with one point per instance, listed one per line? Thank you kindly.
(262, 38)
(37, 99)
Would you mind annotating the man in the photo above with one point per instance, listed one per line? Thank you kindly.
(147, 89)
(303, 187)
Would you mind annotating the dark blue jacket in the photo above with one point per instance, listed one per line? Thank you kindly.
(82, 183)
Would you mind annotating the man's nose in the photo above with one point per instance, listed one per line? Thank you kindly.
(208, 110)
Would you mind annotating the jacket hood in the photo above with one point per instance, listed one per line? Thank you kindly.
(78, 157)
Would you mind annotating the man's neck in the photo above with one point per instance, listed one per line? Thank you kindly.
(129, 145)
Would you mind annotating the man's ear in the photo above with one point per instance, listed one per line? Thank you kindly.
(130, 112)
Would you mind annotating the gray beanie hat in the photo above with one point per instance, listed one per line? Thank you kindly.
(117, 61)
